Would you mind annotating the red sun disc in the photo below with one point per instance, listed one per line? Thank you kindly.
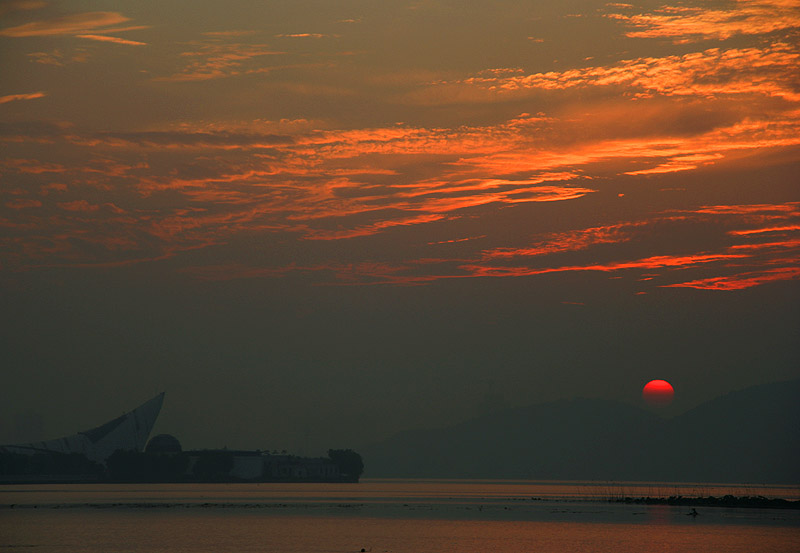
(658, 393)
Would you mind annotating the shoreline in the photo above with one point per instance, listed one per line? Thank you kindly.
(737, 502)
(751, 502)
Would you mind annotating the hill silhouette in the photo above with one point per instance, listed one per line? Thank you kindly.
(751, 435)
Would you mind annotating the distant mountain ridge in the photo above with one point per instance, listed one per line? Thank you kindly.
(751, 435)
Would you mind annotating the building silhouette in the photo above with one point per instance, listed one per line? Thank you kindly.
(119, 451)
(128, 432)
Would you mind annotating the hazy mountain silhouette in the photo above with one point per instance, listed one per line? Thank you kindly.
(752, 435)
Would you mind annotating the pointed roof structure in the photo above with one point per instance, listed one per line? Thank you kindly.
(129, 431)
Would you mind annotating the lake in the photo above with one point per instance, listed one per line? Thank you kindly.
(395, 516)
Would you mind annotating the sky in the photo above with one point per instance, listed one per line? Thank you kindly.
(314, 224)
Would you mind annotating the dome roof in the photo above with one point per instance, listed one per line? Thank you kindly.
(163, 443)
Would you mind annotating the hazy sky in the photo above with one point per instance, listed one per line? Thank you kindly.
(316, 223)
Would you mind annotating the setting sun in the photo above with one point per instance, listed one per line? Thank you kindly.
(658, 393)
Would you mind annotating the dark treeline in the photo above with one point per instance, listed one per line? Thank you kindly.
(350, 464)
(758, 501)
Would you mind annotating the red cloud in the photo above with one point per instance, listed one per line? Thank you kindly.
(742, 280)
(655, 262)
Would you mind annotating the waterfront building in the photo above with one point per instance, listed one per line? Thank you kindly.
(127, 432)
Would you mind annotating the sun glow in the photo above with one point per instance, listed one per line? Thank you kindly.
(658, 393)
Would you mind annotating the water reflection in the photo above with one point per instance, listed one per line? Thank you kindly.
(378, 491)
(214, 530)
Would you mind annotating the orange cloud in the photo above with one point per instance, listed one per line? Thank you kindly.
(772, 210)
(317, 182)
(115, 40)
(678, 163)
(774, 216)
(341, 184)
(456, 240)
(15, 97)
(781, 229)
(65, 25)
(444, 197)
(783, 244)
(216, 60)
(404, 273)
(665, 154)
(371, 229)
(765, 71)
(741, 281)
(655, 262)
(689, 24)
(427, 270)
(754, 255)
(48, 58)
(120, 29)
(571, 241)
(32, 166)
(303, 35)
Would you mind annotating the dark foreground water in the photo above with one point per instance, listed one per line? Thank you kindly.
(386, 516)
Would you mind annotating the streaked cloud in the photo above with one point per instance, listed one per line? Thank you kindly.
(756, 211)
(770, 230)
(15, 97)
(304, 35)
(473, 192)
(545, 144)
(355, 183)
(531, 261)
(649, 263)
(115, 40)
(78, 23)
(713, 72)
(569, 241)
(741, 281)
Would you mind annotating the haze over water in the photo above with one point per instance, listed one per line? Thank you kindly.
(398, 516)
(337, 221)
(319, 224)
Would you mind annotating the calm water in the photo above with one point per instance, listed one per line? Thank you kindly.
(385, 516)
